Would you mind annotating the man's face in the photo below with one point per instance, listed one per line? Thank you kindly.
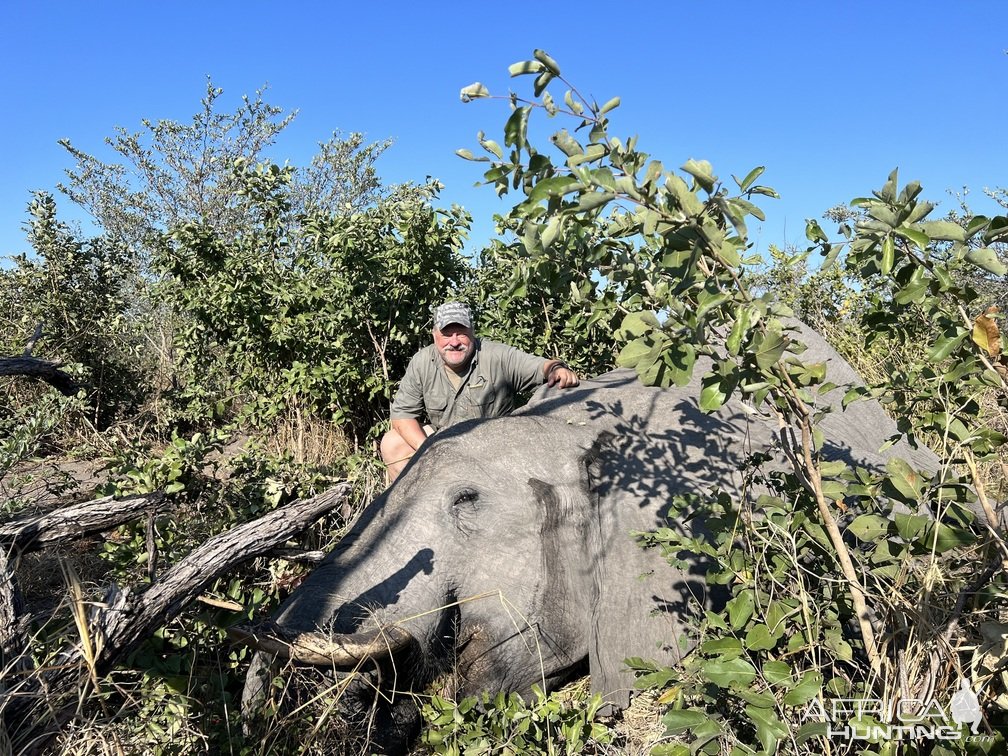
(455, 345)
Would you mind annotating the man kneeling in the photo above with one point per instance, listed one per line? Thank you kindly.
(460, 377)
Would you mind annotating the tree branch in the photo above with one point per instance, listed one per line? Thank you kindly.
(76, 521)
(44, 370)
(33, 340)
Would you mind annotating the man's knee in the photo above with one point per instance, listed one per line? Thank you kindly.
(393, 447)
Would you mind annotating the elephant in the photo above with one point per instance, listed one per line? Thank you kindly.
(504, 552)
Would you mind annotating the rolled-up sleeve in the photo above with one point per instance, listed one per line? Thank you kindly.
(408, 403)
(526, 369)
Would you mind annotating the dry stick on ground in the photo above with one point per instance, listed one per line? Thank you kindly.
(76, 521)
(125, 618)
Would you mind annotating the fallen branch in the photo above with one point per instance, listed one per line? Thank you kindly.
(50, 372)
(117, 625)
(133, 618)
(75, 521)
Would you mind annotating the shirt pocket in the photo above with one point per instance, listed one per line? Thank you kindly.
(435, 406)
(483, 399)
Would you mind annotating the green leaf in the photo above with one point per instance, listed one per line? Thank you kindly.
(637, 324)
(830, 254)
(708, 301)
(610, 105)
(768, 348)
(987, 259)
(541, 82)
(914, 290)
(869, 527)
(723, 646)
(888, 255)
(670, 749)
(944, 231)
(677, 720)
(814, 232)
(573, 104)
(740, 329)
(778, 673)
(592, 200)
(727, 672)
(754, 174)
(473, 92)
(759, 638)
(942, 537)
(491, 146)
(638, 352)
(555, 186)
(567, 144)
(740, 609)
(546, 60)
(904, 479)
(712, 396)
(916, 236)
(549, 235)
(808, 688)
(834, 641)
(523, 67)
(945, 345)
(811, 730)
(769, 729)
(679, 358)
(910, 526)
(515, 128)
(701, 170)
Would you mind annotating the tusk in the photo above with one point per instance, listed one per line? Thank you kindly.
(322, 650)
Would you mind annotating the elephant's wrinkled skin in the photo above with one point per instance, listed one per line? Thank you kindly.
(531, 514)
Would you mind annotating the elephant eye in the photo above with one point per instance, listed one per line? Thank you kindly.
(463, 507)
(466, 497)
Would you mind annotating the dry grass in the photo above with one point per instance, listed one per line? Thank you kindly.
(308, 440)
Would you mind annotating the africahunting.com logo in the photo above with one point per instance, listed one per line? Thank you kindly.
(873, 719)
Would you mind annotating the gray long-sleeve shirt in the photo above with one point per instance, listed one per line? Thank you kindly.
(497, 374)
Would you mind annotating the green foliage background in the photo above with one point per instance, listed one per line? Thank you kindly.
(278, 306)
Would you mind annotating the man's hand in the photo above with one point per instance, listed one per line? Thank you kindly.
(561, 376)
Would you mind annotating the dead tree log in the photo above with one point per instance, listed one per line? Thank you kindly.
(50, 372)
(118, 624)
(76, 521)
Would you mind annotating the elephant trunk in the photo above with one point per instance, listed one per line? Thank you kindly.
(333, 651)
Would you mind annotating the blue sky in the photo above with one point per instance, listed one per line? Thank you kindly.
(829, 96)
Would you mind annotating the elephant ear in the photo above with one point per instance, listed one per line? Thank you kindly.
(640, 604)
(580, 490)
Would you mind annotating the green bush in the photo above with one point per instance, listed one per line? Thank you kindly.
(86, 297)
(803, 559)
(506, 724)
(307, 314)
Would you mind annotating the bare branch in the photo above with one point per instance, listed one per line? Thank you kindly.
(76, 521)
(33, 367)
(33, 340)
(124, 627)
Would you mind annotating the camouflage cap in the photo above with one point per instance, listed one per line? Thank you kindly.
(452, 312)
